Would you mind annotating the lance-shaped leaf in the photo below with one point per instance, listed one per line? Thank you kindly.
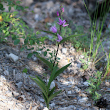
(51, 91)
(61, 70)
(67, 38)
(52, 76)
(49, 32)
(41, 85)
(45, 98)
(53, 95)
(46, 62)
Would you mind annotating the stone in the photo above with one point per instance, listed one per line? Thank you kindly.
(34, 108)
(64, 50)
(41, 105)
(1, 84)
(86, 83)
(45, 108)
(71, 107)
(19, 84)
(69, 92)
(52, 105)
(88, 104)
(3, 78)
(13, 57)
(15, 93)
(9, 93)
(18, 76)
(83, 100)
(37, 10)
(79, 65)
(6, 72)
(50, 4)
(42, 100)
(52, 85)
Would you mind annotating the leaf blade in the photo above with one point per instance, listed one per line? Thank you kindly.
(45, 61)
(67, 38)
(53, 95)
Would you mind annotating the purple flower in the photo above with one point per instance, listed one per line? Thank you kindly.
(57, 13)
(65, 24)
(61, 22)
(59, 38)
(62, 9)
(53, 29)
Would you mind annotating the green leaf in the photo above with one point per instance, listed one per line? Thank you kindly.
(36, 53)
(48, 49)
(26, 7)
(39, 79)
(53, 95)
(30, 48)
(46, 62)
(16, 41)
(49, 32)
(52, 76)
(31, 42)
(67, 38)
(51, 92)
(9, 8)
(37, 32)
(45, 53)
(61, 70)
(1, 7)
(41, 85)
(25, 70)
(22, 48)
(26, 41)
(18, 2)
(46, 100)
(29, 55)
(15, 7)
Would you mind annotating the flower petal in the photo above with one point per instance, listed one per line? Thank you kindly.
(59, 38)
(53, 29)
(57, 13)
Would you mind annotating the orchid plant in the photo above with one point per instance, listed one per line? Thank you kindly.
(49, 94)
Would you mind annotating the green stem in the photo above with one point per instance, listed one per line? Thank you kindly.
(58, 46)
(56, 56)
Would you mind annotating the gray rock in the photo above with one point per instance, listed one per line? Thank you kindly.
(50, 4)
(37, 10)
(86, 83)
(42, 100)
(79, 65)
(3, 78)
(52, 85)
(52, 105)
(69, 92)
(71, 107)
(19, 84)
(41, 105)
(9, 93)
(6, 72)
(1, 84)
(13, 57)
(18, 76)
(83, 100)
(45, 108)
(88, 104)
(64, 50)
(38, 18)
(15, 93)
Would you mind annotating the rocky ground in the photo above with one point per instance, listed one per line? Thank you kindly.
(19, 92)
